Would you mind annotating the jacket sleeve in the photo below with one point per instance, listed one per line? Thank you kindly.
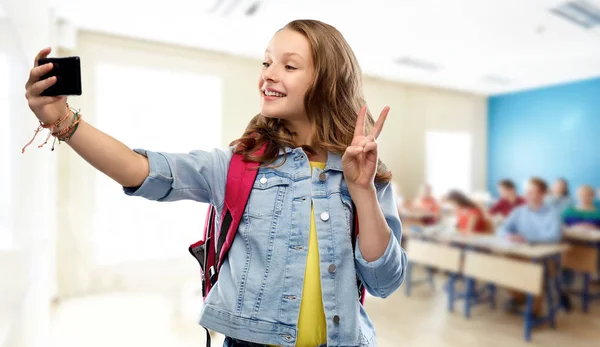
(384, 276)
(198, 175)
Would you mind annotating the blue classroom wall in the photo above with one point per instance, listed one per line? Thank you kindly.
(549, 132)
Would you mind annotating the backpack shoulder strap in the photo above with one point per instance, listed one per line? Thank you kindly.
(361, 288)
(240, 180)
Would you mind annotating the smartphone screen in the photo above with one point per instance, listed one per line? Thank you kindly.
(68, 73)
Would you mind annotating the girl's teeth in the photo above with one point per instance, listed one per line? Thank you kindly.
(270, 93)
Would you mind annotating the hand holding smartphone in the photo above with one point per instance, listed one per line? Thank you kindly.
(68, 76)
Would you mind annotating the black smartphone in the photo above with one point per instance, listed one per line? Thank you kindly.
(68, 76)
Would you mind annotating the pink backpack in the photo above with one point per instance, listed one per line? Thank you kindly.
(240, 180)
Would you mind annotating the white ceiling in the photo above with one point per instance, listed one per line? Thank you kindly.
(518, 43)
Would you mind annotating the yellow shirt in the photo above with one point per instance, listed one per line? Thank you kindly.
(312, 328)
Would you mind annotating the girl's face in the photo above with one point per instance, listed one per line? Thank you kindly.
(452, 205)
(286, 75)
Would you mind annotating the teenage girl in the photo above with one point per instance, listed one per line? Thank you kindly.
(470, 217)
(290, 275)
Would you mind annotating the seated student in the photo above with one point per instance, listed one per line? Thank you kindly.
(470, 217)
(509, 199)
(559, 196)
(585, 214)
(535, 222)
(426, 205)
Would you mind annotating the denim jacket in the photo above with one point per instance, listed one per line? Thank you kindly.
(257, 297)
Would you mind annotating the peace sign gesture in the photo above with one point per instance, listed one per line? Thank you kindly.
(360, 159)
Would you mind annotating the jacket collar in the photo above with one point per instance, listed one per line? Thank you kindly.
(334, 161)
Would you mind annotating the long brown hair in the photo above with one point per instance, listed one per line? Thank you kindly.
(332, 102)
(461, 199)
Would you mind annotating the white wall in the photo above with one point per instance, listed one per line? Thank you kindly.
(416, 110)
(23, 32)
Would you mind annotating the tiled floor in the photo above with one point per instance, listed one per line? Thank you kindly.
(127, 320)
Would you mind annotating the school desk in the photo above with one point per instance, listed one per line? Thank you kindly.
(485, 259)
(583, 257)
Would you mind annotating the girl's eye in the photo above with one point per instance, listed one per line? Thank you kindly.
(265, 64)
(289, 67)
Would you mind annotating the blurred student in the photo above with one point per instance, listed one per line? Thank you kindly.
(534, 222)
(470, 217)
(426, 205)
(597, 201)
(509, 199)
(560, 196)
(585, 214)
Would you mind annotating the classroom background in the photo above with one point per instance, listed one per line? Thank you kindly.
(484, 95)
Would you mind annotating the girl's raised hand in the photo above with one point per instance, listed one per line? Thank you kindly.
(48, 109)
(360, 159)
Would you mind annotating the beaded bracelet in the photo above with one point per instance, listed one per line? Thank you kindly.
(64, 135)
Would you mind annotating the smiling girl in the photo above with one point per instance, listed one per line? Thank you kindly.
(290, 277)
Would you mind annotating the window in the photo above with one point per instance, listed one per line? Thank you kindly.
(5, 154)
(160, 110)
(448, 161)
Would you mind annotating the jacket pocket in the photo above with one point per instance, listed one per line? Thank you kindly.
(266, 197)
